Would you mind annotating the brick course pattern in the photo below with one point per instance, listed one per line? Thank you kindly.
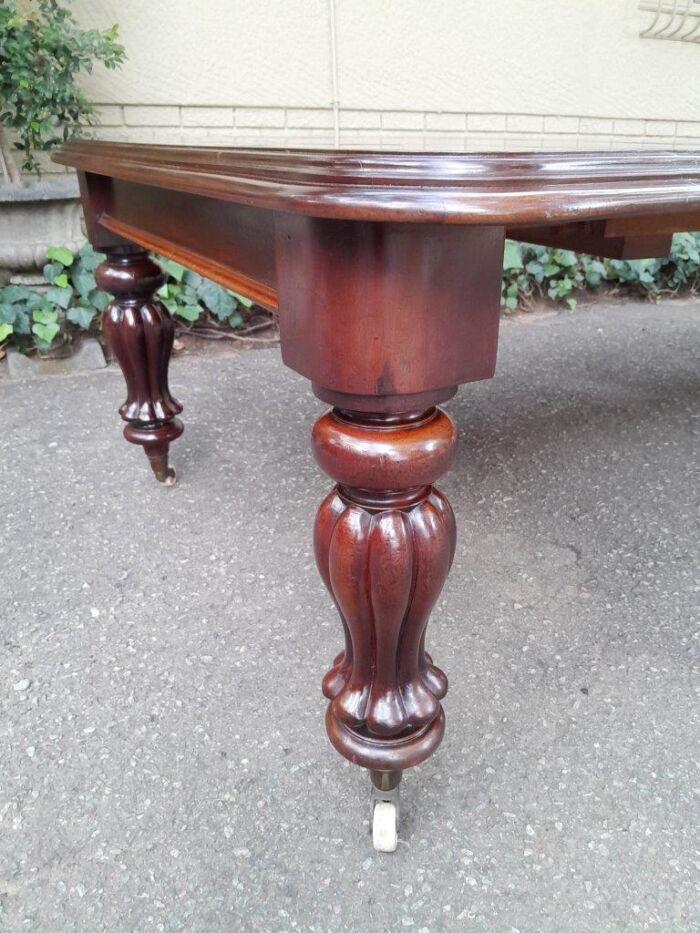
(406, 129)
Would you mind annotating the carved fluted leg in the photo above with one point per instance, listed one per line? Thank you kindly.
(384, 544)
(140, 331)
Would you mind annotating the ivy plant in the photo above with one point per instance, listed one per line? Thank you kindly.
(531, 272)
(37, 317)
(72, 302)
(187, 294)
(42, 52)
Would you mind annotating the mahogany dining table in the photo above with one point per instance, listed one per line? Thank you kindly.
(385, 270)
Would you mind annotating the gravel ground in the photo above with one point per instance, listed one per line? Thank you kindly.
(163, 761)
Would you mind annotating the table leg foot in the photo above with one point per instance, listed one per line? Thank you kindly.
(384, 543)
(155, 440)
(385, 810)
(140, 332)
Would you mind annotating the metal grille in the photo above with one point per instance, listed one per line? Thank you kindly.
(678, 20)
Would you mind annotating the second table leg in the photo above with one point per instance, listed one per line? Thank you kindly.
(140, 331)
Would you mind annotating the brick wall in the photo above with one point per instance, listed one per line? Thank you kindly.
(273, 126)
(389, 129)
(392, 129)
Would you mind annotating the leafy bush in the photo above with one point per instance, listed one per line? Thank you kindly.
(72, 302)
(531, 272)
(42, 51)
(34, 318)
(188, 295)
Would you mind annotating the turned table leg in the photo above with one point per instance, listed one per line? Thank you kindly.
(139, 330)
(384, 542)
(386, 319)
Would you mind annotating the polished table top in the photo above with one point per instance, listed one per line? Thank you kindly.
(418, 187)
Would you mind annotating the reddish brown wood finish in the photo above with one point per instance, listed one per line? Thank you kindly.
(227, 242)
(373, 313)
(386, 271)
(215, 209)
(503, 188)
(595, 237)
(140, 333)
(384, 542)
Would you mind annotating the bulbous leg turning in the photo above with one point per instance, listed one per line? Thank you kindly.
(386, 569)
(140, 332)
(384, 543)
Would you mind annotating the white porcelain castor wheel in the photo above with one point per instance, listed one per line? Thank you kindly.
(384, 810)
(170, 477)
(385, 827)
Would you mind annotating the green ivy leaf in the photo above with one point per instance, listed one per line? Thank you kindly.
(60, 296)
(192, 278)
(22, 323)
(89, 259)
(188, 312)
(11, 293)
(83, 282)
(45, 332)
(565, 257)
(189, 295)
(35, 300)
(99, 299)
(61, 254)
(8, 313)
(5, 331)
(172, 268)
(52, 270)
(241, 299)
(536, 270)
(83, 317)
(511, 256)
(45, 316)
(217, 299)
(235, 320)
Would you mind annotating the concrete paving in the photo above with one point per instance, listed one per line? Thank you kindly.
(86, 356)
(163, 762)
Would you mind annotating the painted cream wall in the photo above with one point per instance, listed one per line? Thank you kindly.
(441, 74)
